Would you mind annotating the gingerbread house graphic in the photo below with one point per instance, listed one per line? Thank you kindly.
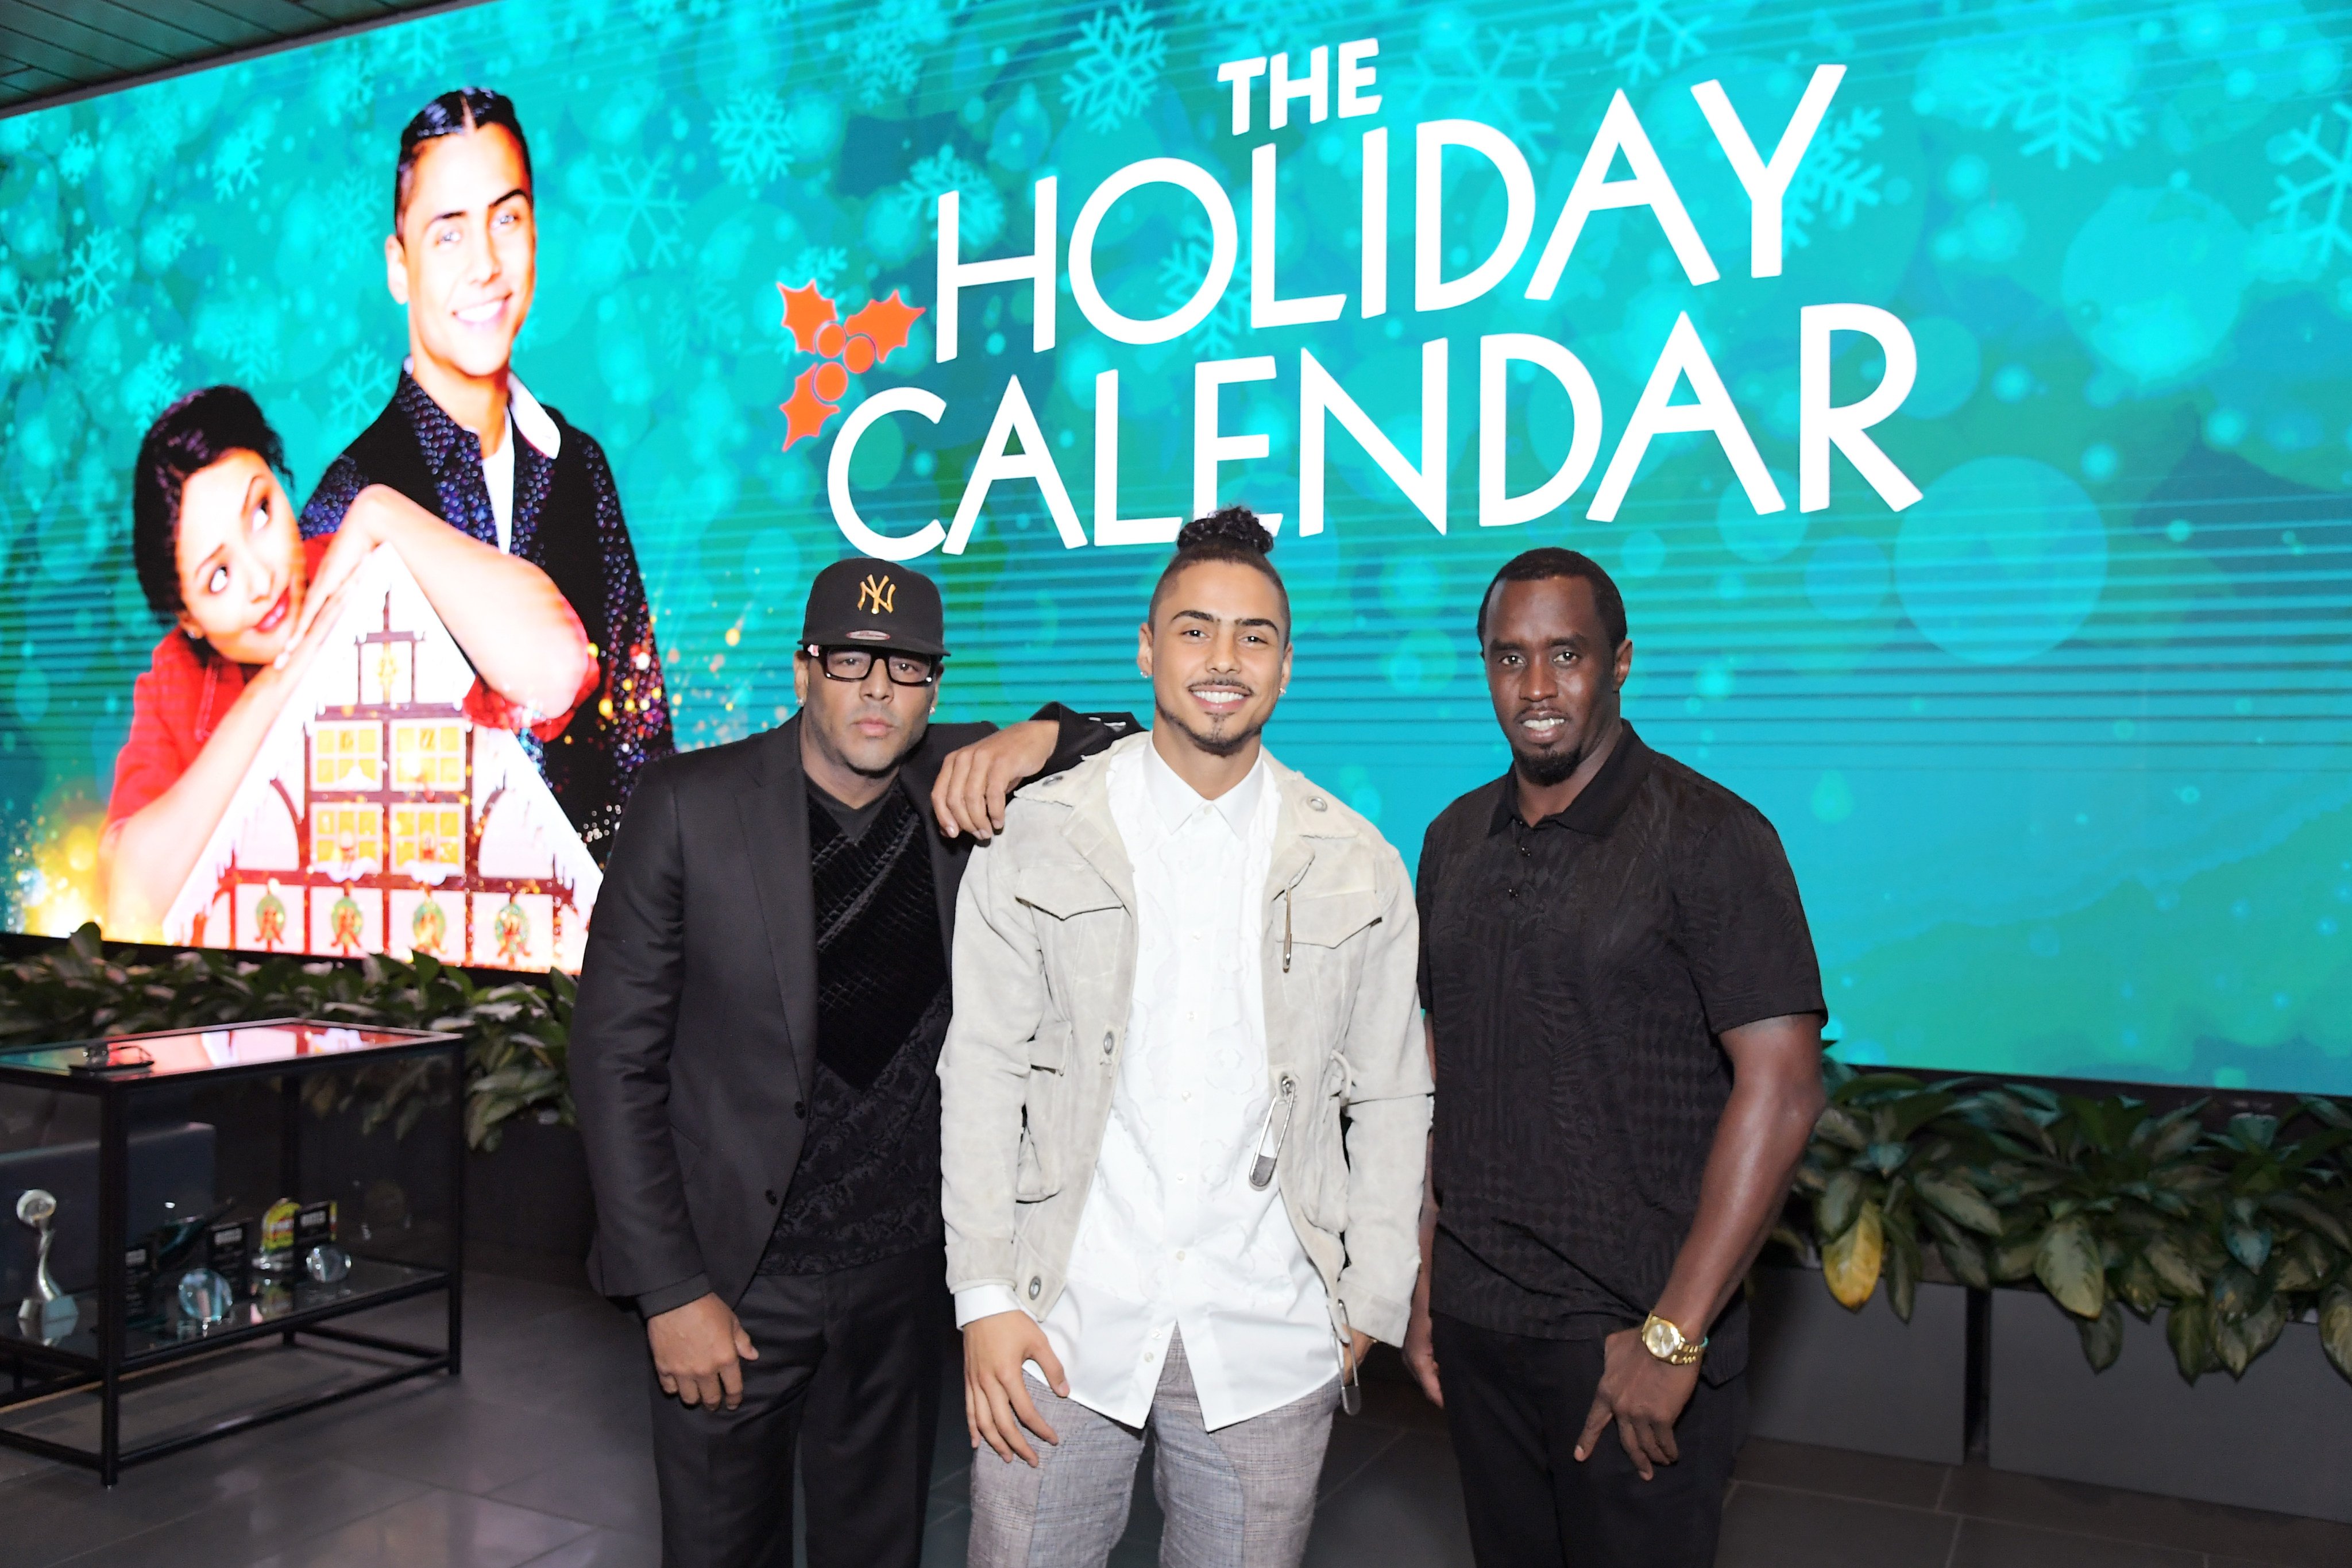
(377, 817)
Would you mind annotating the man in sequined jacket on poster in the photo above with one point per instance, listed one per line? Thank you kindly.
(464, 440)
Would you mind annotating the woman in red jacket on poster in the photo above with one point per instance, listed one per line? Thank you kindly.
(219, 551)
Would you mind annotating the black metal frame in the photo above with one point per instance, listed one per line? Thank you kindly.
(107, 1370)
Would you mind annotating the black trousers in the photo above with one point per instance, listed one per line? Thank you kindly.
(1515, 1406)
(848, 1376)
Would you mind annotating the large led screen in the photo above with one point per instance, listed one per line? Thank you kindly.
(1958, 392)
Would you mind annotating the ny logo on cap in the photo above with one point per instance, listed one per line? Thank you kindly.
(874, 594)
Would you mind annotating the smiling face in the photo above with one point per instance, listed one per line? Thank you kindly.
(238, 551)
(1553, 674)
(1218, 653)
(465, 260)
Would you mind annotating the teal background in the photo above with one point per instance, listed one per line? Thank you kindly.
(2060, 754)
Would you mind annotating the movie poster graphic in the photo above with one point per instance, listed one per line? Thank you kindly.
(1958, 398)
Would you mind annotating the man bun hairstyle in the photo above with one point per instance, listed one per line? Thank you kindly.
(190, 436)
(453, 113)
(1231, 534)
(1549, 563)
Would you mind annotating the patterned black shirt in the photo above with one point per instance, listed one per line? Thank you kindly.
(1578, 972)
(867, 1185)
(566, 521)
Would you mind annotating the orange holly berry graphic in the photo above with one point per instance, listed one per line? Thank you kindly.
(843, 349)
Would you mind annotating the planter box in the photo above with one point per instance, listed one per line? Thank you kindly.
(1818, 1374)
(2275, 1439)
(531, 1195)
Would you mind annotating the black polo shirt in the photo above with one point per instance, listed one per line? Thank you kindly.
(1578, 972)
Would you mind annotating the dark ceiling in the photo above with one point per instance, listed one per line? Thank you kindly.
(51, 51)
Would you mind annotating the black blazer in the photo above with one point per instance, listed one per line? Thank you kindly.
(693, 1044)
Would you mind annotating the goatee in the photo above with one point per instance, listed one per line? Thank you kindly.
(1215, 745)
(1545, 769)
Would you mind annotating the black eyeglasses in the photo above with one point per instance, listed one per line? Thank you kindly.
(857, 663)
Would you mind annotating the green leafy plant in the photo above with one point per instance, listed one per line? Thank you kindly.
(515, 1032)
(2105, 1205)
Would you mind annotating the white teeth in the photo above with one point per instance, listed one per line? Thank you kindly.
(477, 315)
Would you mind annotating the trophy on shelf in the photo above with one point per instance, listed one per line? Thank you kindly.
(49, 1314)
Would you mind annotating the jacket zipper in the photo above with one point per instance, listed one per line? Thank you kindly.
(1278, 1129)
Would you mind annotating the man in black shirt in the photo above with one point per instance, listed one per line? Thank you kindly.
(754, 1054)
(1624, 1016)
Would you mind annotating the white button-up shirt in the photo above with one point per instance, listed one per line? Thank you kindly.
(1174, 1238)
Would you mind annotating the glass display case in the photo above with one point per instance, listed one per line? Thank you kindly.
(166, 1198)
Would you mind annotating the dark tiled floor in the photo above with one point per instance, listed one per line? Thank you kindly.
(538, 1456)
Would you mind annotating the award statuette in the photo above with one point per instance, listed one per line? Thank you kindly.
(206, 1298)
(275, 1253)
(49, 1314)
(225, 1251)
(315, 1223)
(139, 1282)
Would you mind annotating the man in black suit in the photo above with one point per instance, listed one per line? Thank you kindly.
(754, 1054)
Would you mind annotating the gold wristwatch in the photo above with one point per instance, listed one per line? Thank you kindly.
(1665, 1341)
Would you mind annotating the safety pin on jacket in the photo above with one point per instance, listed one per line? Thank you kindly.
(1278, 1129)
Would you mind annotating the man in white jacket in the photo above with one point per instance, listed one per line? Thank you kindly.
(1175, 970)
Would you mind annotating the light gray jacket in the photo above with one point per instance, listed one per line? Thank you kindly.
(1045, 972)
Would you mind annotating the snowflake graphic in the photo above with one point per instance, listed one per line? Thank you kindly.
(152, 385)
(240, 336)
(980, 214)
(1501, 78)
(1120, 55)
(1237, 29)
(237, 162)
(76, 158)
(2072, 103)
(820, 265)
(2326, 232)
(156, 131)
(753, 133)
(1832, 181)
(1180, 272)
(416, 50)
(91, 271)
(1651, 26)
(356, 389)
(885, 49)
(346, 81)
(641, 201)
(163, 241)
(719, 307)
(26, 328)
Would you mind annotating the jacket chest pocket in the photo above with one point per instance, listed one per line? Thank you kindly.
(1324, 936)
(1081, 930)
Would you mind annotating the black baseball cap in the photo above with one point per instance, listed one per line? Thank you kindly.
(865, 603)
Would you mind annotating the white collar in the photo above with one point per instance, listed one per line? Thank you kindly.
(1173, 800)
(529, 420)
